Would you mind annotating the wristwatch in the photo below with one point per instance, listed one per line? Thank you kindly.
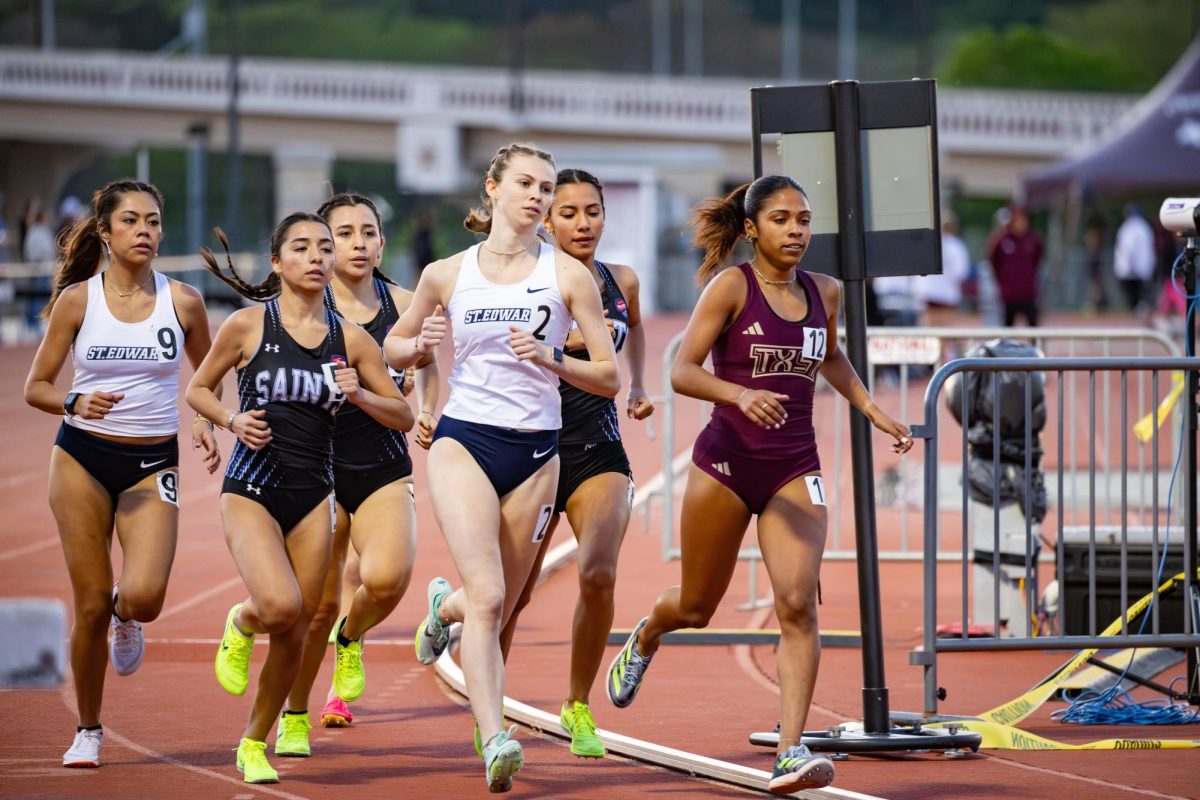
(558, 356)
(69, 402)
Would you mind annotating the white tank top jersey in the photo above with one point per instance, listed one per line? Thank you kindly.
(488, 385)
(140, 359)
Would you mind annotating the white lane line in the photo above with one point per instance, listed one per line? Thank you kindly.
(1085, 779)
(52, 541)
(17, 552)
(194, 600)
(112, 735)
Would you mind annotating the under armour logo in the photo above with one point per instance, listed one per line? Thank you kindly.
(271, 348)
(250, 487)
(753, 330)
(723, 468)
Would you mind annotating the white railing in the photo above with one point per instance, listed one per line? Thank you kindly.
(1011, 122)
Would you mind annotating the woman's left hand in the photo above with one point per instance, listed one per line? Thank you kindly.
(426, 426)
(347, 383)
(203, 440)
(408, 382)
(638, 405)
(526, 347)
(897, 430)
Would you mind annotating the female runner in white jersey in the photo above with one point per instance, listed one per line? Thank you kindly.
(116, 459)
(373, 485)
(595, 482)
(297, 364)
(510, 301)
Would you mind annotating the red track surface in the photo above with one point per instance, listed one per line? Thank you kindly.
(170, 729)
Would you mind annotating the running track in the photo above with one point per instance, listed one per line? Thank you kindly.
(170, 729)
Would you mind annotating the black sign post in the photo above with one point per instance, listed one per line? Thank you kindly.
(892, 229)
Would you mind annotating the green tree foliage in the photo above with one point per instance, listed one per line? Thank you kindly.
(1023, 57)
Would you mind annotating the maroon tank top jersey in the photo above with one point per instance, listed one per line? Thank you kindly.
(761, 350)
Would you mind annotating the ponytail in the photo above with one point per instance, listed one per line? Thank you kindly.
(81, 245)
(268, 289)
(719, 222)
(479, 220)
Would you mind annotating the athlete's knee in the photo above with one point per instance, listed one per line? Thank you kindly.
(385, 591)
(93, 610)
(796, 609)
(695, 616)
(279, 613)
(597, 579)
(486, 606)
(142, 606)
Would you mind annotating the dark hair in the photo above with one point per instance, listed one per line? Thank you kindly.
(719, 222)
(270, 287)
(479, 220)
(349, 199)
(81, 244)
(567, 177)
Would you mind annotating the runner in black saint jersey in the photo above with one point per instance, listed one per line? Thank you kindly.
(595, 483)
(298, 363)
(372, 479)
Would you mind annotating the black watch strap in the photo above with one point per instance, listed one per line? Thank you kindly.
(69, 403)
(558, 355)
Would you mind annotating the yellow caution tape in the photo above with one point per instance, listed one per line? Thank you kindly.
(1006, 737)
(1143, 429)
(996, 725)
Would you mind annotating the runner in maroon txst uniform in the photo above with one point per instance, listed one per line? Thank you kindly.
(770, 328)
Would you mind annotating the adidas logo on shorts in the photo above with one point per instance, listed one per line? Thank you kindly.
(753, 330)
(723, 468)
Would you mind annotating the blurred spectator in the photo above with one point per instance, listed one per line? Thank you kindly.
(1134, 257)
(422, 242)
(69, 210)
(3, 231)
(39, 239)
(1016, 256)
(1093, 247)
(943, 293)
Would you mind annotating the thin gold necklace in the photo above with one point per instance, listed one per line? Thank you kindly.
(765, 279)
(112, 287)
(502, 253)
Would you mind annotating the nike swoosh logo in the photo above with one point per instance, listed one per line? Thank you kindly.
(534, 291)
(536, 454)
(144, 465)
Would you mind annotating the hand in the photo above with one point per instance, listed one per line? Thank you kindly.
(638, 405)
(346, 379)
(203, 440)
(528, 348)
(433, 330)
(408, 382)
(96, 405)
(251, 428)
(897, 430)
(765, 409)
(426, 424)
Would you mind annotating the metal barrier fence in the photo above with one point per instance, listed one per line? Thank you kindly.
(1070, 342)
(1149, 373)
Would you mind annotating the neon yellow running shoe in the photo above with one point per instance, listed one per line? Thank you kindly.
(252, 762)
(291, 737)
(349, 674)
(576, 720)
(478, 742)
(233, 656)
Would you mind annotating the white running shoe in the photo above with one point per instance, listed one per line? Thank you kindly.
(128, 645)
(85, 751)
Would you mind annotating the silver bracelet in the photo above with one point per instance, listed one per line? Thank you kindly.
(229, 421)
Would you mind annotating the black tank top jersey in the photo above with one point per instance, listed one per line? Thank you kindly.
(358, 440)
(295, 386)
(587, 417)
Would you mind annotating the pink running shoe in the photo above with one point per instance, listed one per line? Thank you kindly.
(336, 714)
